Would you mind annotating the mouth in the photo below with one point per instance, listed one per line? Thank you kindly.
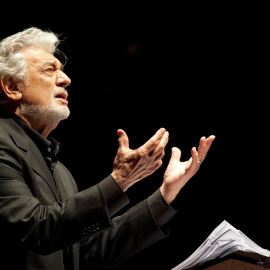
(62, 97)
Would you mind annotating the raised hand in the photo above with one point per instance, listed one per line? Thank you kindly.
(130, 166)
(179, 172)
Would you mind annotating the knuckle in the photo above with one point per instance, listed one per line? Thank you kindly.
(160, 148)
(140, 152)
(160, 156)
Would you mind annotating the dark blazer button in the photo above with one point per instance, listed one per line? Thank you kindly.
(87, 230)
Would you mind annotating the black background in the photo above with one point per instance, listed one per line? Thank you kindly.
(196, 70)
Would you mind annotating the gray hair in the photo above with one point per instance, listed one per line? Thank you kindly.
(12, 62)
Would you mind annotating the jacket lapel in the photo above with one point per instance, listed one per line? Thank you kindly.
(32, 153)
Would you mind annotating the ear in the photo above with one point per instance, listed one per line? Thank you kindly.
(10, 88)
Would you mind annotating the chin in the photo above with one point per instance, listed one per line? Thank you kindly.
(52, 114)
(60, 115)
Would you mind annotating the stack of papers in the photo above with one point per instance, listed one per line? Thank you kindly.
(224, 240)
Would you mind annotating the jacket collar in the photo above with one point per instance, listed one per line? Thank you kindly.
(32, 153)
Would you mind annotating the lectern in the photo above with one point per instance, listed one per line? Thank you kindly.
(236, 262)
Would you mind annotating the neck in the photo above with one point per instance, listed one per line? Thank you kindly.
(42, 126)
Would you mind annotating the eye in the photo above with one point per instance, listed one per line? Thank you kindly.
(49, 69)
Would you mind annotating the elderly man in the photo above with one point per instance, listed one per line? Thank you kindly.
(45, 222)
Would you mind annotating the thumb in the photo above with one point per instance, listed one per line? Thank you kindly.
(176, 154)
(122, 138)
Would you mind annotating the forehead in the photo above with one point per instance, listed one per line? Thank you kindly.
(38, 56)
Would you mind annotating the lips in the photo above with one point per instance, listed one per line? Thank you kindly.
(62, 97)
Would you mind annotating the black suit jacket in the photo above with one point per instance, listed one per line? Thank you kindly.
(41, 228)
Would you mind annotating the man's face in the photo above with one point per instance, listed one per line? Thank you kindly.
(44, 89)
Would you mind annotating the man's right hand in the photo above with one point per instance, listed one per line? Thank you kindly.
(131, 166)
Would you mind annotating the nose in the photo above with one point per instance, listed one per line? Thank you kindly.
(62, 79)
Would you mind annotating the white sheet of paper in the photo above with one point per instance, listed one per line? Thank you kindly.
(223, 240)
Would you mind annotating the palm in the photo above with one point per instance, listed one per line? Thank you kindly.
(178, 173)
(179, 170)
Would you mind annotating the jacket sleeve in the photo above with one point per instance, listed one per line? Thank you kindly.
(131, 233)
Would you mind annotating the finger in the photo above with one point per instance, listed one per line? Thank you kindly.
(159, 150)
(122, 139)
(164, 140)
(194, 157)
(204, 146)
(209, 141)
(201, 147)
(152, 143)
(175, 154)
(160, 155)
(157, 165)
(194, 153)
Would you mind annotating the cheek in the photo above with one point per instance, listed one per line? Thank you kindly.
(39, 89)
(37, 95)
